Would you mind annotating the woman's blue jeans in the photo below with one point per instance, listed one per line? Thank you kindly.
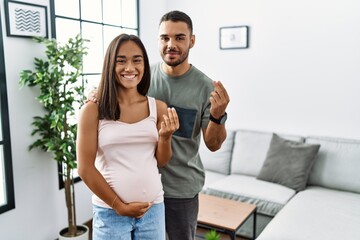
(108, 225)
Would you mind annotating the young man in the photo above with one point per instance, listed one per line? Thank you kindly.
(200, 104)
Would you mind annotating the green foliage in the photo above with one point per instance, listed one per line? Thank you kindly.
(58, 78)
(212, 235)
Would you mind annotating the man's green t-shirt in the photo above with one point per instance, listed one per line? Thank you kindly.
(184, 176)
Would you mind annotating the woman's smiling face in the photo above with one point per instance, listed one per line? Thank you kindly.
(129, 65)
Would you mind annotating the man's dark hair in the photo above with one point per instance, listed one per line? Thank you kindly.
(178, 16)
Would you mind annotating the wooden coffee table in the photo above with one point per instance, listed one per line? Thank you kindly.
(224, 215)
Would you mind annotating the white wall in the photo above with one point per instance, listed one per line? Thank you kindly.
(149, 22)
(40, 207)
(301, 74)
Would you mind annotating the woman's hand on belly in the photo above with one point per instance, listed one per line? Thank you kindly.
(133, 209)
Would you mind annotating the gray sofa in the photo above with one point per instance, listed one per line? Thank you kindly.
(319, 201)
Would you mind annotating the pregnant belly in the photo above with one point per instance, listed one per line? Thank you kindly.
(139, 188)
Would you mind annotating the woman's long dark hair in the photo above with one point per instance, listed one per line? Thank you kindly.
(107, 91)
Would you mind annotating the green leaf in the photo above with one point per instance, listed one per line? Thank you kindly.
(212, 235)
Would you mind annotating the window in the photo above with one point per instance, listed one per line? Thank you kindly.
(98, 21)
(7, 201)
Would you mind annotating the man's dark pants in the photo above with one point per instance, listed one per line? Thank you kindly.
(181, 217)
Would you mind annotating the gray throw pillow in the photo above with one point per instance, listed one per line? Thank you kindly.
(288, 162)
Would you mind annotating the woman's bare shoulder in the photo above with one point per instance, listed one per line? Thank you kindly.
(89, 109)
(161, 106)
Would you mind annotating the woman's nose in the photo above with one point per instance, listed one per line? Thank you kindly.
(129, 66)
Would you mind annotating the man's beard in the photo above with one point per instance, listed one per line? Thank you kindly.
(178, 62)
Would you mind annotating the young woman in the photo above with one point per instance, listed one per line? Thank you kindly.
(121, 141)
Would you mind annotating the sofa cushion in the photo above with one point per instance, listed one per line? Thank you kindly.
(250, 148)
(337, 164)
(317, 213)
(288, 162)
(269, 197)
(218, 161)
(211, 177)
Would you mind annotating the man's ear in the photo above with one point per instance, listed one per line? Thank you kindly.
(192, 41)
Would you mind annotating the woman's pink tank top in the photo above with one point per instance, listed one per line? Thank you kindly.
(126, 159)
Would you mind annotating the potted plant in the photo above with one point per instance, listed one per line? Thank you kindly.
(57, 77)
(212, 235)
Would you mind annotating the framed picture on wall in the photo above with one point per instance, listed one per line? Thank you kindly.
(234, 37)
(25, 19)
